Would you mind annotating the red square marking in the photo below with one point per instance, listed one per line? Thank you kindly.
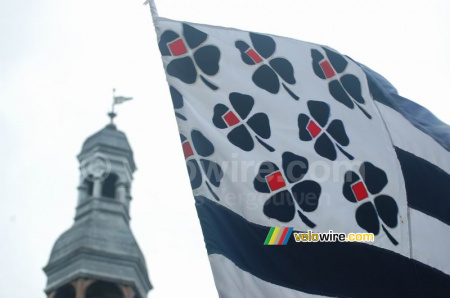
(275, 181)
(327, 69)
(230, 118)
(177, 47)
(313, 128)
(252, 54)
(187, 149)
(359, 190)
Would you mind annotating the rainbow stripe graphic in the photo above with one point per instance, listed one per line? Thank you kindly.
(278, 236)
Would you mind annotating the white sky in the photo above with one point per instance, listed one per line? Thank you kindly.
(59, 61)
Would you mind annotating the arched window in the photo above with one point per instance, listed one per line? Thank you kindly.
(103, 289)
(109, 186)
(67, 291)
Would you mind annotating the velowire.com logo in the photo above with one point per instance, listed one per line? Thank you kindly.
(280, 236)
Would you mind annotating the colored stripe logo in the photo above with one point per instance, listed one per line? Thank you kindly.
(278, 236)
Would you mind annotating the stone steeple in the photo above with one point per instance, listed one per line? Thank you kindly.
(99, 256)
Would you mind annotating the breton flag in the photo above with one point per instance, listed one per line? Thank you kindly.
(283, 135)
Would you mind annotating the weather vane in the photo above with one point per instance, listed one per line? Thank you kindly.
(116, 100)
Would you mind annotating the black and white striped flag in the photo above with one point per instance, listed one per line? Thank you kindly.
(283, 133)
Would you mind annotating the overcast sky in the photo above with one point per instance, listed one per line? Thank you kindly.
(59, 61)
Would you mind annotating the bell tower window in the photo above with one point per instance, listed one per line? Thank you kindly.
(101, 289)
(68, 291)
(109, 186)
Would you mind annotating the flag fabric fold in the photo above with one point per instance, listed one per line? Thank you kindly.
(288, 134)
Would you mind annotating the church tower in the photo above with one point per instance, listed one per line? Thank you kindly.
(98, 257)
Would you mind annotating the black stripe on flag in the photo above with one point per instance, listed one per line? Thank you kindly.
(331, 269)
(427, 186)
(421, 118)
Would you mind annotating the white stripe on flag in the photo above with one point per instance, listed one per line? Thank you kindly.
(407, 137)
(232, 282)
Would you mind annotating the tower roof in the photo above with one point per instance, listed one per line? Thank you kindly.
(109, 139)
(100, 246)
